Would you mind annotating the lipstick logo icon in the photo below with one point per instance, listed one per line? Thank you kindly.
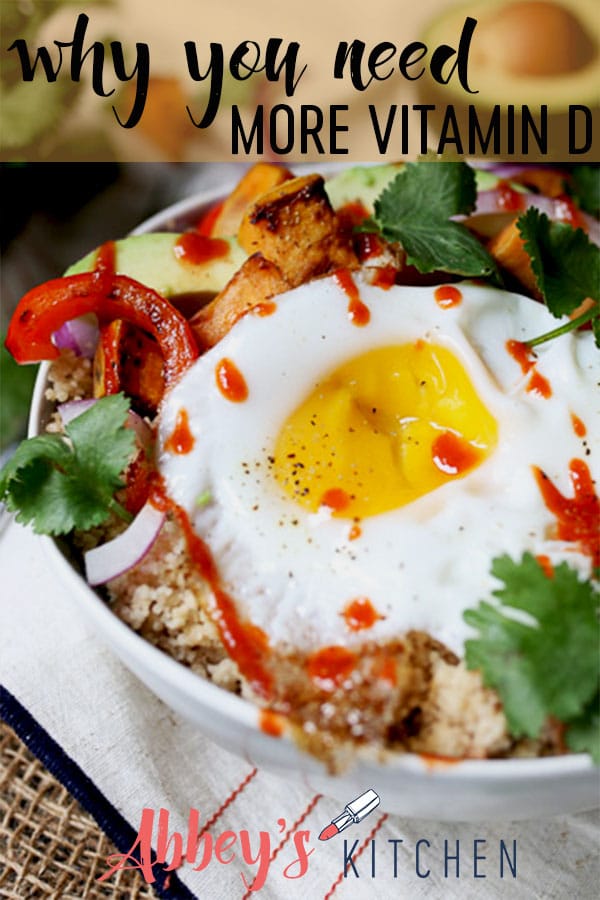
(354, 813)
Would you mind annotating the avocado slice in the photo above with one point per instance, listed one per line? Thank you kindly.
(360, 184)
(151, 260)
(523, 53)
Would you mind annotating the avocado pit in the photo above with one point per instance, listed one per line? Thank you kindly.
(535, 38)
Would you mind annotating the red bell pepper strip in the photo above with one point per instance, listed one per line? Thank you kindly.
(206, 224)
(44, 309)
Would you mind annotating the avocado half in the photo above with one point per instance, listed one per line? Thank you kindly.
(523, 52)
(151, 259)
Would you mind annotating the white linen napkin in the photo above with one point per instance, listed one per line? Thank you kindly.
(142, 755)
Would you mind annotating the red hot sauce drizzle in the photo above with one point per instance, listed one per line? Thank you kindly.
(106, 260)
(546, 564)
(578, 426)
(264, 308)
(360, 614)
(358, 312)
(369, 246)
(577, 517)
(522, 354)
(231, 382)
(181, 441)
(437, 761)
(538, 384)
(206, 223)
(452, 454)
(270, 722)
(351, 214)
(336, 499)
(526, 358)
(330, 666)
(384, 277)
(355, 532)
(446, 296)
(246, 643)
(194, 249)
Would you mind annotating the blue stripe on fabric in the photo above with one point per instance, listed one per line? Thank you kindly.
(66, 770)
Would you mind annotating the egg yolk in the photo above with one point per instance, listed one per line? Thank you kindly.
(382, 430)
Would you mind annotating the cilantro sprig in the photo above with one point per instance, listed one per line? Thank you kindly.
(63, 482)
(538, 648)
(566, 267)
(585, 188)
(415, 210)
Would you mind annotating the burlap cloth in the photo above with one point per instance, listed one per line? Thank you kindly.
(49, 845)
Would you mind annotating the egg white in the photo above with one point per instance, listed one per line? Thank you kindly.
(291, 572)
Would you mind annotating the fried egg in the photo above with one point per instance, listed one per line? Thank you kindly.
(356, 457)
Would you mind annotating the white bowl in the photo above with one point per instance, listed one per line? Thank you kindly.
(468, 790)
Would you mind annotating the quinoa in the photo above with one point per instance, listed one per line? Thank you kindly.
(69, 378)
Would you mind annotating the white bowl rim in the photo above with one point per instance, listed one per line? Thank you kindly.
(243, 711)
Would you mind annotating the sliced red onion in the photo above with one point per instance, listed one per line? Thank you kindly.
(491, 203)
(118, 556)
(73, 408)
(511, 170)
(79, 335)
(143, 431)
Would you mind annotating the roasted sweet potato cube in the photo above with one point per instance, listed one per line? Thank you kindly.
(255, 283)
(261, 178)
(508, 251)
(127, 359)
(295, 227)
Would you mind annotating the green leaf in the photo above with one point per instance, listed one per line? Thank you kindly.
(59, 483)
(565, 263)
(415, 210)
(538, 646)
(583, 735)
(596, 330)
(586, 188)
(16, 385)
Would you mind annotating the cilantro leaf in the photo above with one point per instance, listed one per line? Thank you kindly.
(565, 263)
(415, 210)
(596, 330)
(583, 735)
(62, 482)
(538, 646)
(586, 188)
